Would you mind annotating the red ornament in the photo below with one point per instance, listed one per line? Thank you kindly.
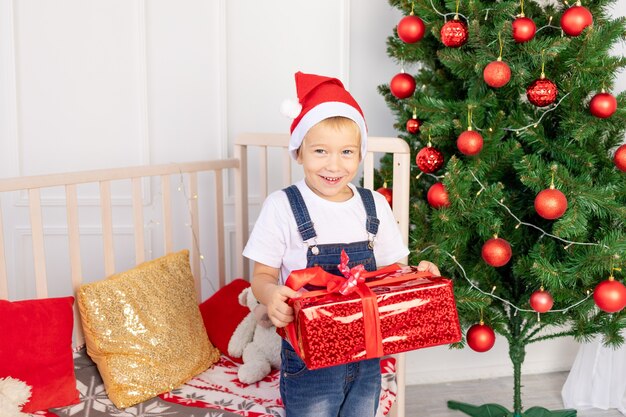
(620, 158)
(575, 20)
(610, 295)
(429, 159)
(541, 301)
(496, 74)
(550, 203)
(541, 92)
(603, 105)
(412, 125)
(496, 252)
(454, 33)
(388, 194)
(402, 85)
(480, 337)
(437, 196)
(470, 142)
(411, 29)
(523, 29)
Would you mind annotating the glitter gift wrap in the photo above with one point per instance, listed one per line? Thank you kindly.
(392, 312)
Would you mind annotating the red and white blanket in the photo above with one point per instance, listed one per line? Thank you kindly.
(217, 392)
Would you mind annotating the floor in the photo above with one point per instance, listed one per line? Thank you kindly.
(538, 390)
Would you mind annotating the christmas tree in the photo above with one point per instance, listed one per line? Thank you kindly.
(519, 188)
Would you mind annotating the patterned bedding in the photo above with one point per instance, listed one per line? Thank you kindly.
(214, 393)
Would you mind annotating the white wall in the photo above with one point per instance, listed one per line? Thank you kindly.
(102, 83)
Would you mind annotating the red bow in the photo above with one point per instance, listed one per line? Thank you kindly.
(353, 276)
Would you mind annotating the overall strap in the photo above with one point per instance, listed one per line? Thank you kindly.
(370, 210)
(300, 212)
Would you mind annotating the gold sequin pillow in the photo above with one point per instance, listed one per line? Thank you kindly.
(144, 330)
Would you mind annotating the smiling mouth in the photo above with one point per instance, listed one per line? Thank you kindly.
(331, 179)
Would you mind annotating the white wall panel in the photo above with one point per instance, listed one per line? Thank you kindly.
(79, 84)
(267, 42)
(184, 41)
(372, 22)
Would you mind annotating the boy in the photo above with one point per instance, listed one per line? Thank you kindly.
(309, 224)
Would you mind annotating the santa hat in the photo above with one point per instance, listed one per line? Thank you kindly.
(321, 98)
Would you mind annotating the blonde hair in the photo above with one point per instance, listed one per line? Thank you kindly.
(340, 122)
(337, 123)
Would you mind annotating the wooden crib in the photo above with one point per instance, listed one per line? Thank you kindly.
(62, 230)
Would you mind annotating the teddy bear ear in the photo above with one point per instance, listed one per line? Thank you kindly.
(243, 297)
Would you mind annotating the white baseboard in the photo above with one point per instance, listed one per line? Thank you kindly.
(441, 364)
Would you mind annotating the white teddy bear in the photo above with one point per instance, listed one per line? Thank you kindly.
(13, 395)
(255, 341)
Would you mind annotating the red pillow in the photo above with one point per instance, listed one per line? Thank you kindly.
(36, 347)
(222, 313)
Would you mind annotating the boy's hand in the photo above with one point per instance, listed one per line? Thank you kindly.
(429, 267)
(278, 310)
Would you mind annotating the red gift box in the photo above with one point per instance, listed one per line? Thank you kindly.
(391, 312)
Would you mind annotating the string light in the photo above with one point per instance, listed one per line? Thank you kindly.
(536, 123)
(445, 15)
(151, 223)
(544, 233)
(196, 242)
(502, 300)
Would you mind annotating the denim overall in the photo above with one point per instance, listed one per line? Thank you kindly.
(350, 390)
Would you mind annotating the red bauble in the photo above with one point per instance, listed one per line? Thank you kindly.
(620, 158)
(541, 301)
(454, 33)
(411, 29)
(523, 29)
(575, 19)
(429, 159)
(480, 337)
(610, 296)
(437, 196)
(412, 125)
(550, 203)
(496, 252)
(402, 85)
(603, 105)
(470, 142)
(496, 74)
(388, 194)
(541, 92)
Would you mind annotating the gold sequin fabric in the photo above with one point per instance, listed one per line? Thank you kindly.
(144, 330)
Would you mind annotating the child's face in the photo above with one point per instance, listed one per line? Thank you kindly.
(330, 156)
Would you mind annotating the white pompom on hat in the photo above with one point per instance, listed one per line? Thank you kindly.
(320, 98)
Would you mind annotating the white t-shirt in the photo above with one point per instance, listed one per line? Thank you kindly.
(276, 242)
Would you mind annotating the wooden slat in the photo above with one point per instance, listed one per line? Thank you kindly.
(167, 214)
(287, 178)
(138, 221)
(401, 193)
(107, 227)
(4, 282)
(241, 211)
(368, 170)
(219, 227)
(262, 139)
(39, 255)
(263, 171)
(195, 231)
(83, 177)
(73, 233)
